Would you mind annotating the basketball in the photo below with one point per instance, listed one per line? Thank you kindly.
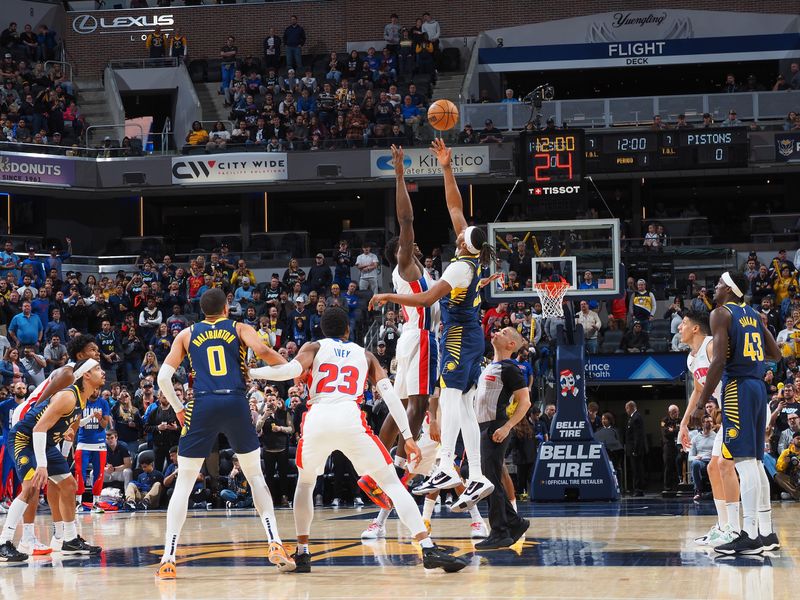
(443, 115)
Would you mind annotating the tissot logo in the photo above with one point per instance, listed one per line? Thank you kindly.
(554, 190)
(86, 24)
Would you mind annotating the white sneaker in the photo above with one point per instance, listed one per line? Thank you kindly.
(726, 536)
(438, 480)
(358, 502)
(34, 548)
(713, 534)
(476, 490)
(56, 543)
(335, 503)
(374, 532)
(478, 530)
(97, 509)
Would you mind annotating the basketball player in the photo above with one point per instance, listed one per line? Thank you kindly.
(91, 448)
(458, 289)
(338, 370)
(695, 332)
(217, 349)
(737, 327)
(417, 349)
(79, 348)
(38, 460)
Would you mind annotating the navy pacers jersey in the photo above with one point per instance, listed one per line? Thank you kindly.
(55, 435)
(463, 305)
(217, 356)
(745, 354)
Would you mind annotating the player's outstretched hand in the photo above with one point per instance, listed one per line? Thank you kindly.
(397, 160)
(413, 452)
(378, 300)
(442, 153)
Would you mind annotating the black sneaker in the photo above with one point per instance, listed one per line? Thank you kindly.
(9, 553)
(743, 544)
(438, 558)
(79, 546)
(493, 542)
(303, 562)
(518, 531)
(130, 505)
(770, 542)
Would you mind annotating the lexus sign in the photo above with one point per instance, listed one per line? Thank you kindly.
(86, 24)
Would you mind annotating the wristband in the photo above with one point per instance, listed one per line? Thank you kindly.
(65, 448)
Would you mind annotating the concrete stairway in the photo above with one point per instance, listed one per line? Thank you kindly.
(93, 104)
(448, 87)
(211, 103)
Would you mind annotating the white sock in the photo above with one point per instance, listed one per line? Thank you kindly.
(400, 462)
(58, 530)
(14, 516)
(178, 504)
(427, 509)
(764, 506)
(750, 490)
(28, 532)
(426, 543)
(382, 516)
(302, 549)
(471, 433)
(722, 512)
(449, 401)
(70, 530)
(475, 514)
(732, 509)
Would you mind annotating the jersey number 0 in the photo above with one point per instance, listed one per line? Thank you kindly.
(216, 361)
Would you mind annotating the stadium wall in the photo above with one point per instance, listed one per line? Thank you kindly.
(330, 25)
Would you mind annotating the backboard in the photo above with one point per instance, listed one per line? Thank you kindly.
(556, 249)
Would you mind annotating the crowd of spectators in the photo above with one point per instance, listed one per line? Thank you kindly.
(376, 98)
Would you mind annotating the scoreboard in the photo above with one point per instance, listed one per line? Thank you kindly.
(553, 163)
(666, 150)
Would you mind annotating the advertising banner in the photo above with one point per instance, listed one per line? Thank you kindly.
(37, 169)
(618, 368)
(420, 162)
(244, 167)
(787, 147)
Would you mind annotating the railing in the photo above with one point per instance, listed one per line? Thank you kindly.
(64, 63)
(616, 112)
(113, 127)
(165, 133)
(143, 63)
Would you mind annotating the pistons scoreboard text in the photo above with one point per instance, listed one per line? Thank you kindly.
(553, 163)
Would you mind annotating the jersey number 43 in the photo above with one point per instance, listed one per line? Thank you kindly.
(753, 348)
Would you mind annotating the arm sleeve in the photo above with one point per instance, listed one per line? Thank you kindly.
(278, 373)
(165, 374)
(395, 406)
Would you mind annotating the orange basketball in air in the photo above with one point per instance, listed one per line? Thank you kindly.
(443, 115)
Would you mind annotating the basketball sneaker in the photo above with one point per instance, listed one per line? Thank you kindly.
(440, 479)
(375, 493)
(374, 531)
(770, 542)
(708, 539)
(167, 570)
(476, 490)
(478, 530)
(79, 546)
(8, 553)
(517, 532)
(34, 548)
(438, 558)
(302, 562)
(742, 544)
(97, 509)
(725, 536)
(280, 558)
(56, 543)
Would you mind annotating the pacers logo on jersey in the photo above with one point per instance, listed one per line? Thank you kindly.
(451, 366)
(732, 433)
(23, 460)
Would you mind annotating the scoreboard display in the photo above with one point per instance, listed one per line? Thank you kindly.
(553, 163)
(667, 150)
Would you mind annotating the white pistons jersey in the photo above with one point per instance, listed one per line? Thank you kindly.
(420, 317)
(699, 363)
(339, 372)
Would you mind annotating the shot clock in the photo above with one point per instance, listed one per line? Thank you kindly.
(553, 162)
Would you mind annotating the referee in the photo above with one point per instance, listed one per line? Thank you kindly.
(502, 389)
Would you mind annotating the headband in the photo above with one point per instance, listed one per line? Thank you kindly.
(728, 280)
(468, 239)
(85, 368)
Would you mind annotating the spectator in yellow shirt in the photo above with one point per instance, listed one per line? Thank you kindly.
(156, 43)
(782, 283)
(197, 135)
(241, 272)
(788, 467)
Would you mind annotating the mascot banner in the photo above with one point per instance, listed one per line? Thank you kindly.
(572, 464)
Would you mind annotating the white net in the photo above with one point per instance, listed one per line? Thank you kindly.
(551, 294)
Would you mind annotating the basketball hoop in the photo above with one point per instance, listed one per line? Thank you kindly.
(551, 294)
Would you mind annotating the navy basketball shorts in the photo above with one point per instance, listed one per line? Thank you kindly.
(462, 347)
(20, 446)
(744, 418)
(208, 415)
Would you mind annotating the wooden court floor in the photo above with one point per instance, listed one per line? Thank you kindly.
(638, 548)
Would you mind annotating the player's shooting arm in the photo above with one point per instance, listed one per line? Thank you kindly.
(405, 211)
(455, 205)
(720, 321)
(283, 372)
